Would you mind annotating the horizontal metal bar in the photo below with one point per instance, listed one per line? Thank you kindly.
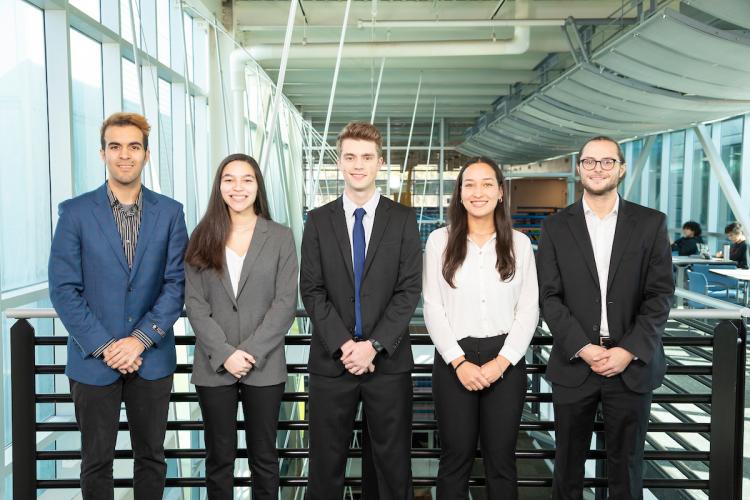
(420, 453)
(531, 397)
(531, 369)
(722, 309)
(681, 484)
(418, 425)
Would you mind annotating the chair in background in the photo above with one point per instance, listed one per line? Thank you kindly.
(719, 287)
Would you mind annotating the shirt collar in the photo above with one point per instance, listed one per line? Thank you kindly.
(114, 202)
(369, 206)
(587, 209)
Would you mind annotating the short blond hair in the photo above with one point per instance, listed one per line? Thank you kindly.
(123, 120)
(363, 131)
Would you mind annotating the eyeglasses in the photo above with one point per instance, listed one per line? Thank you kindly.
(606, 163)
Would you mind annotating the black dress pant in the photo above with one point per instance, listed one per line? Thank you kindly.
(493, 415)
(97, 410)
(625, 424)
(387, 401)
(260, 406)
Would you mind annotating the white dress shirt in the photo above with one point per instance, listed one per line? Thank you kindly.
(482, 304)
(234, 268)
(602, 234)
(367, 221)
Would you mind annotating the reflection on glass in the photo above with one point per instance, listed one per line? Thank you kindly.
(130, 93)
(86, 72)
(24, 190)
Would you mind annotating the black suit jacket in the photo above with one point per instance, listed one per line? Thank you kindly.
(639, 293)
(391, 285)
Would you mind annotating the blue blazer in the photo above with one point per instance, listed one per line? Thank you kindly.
(96, 295)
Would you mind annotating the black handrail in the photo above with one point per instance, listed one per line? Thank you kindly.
(726, 401)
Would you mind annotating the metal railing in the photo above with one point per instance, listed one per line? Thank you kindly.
(726, 402)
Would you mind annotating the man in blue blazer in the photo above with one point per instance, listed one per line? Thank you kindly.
(116, 279)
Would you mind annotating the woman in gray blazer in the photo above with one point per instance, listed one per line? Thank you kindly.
(240, 294)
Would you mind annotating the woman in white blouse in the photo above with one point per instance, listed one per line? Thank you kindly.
(481, 310)
(240, 295)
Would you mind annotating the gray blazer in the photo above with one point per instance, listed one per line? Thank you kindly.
(255, 321)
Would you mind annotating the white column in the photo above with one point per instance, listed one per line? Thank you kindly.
(666, 144)
(687, 181)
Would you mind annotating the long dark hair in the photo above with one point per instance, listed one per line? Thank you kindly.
(206, 246)
(458, 228)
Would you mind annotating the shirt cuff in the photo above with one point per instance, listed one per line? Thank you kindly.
(143, 338)
(98, 353)
(452, 353)
(510, 354)
(578, 352)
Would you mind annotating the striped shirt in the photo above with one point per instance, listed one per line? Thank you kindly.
(128, 221)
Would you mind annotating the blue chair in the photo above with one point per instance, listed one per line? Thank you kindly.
(696, 283)
(720, 287)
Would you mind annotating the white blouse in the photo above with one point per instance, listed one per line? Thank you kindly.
(234, 267)
(482, 304)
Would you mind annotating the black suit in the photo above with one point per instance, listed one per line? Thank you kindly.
(639, 296)
(390, 290)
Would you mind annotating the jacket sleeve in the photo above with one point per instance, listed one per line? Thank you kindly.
(394, 323)
(329, 328)
(648, 327)
(271, 332)
(66, 286)
(168, 305)
(567, 332)
(208, 334)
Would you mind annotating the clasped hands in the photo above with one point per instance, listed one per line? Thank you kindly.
(606, 362)
(357, 357)
(239, 363)
(476, 378)
(124, 355)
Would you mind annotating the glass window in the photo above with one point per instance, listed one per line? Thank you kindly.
(200, 55)
(165, 138)
(25, 211)
(654, 178)
(187, 25)
(88, 111)
(701, 176)
(130, 93)
(635, 191)
(163, 31)
(89, 7)
(731, 155)
(126, 29)
(676, 172)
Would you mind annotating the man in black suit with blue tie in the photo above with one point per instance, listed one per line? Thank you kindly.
(360, 279)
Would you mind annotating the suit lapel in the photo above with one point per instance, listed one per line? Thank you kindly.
(338, 221)
(623, 229)
(106, 221)
(149, 218)
(227, 283)
(382, 215)
(577, 223)
(260, 235)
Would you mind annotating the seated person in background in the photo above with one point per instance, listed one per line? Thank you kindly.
(691, 238)
(738, 250)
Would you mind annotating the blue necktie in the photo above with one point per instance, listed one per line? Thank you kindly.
(358, 241)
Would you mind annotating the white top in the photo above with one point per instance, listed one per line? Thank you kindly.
(234, 267)
(367, 220)
(602, 234)
(482, 305)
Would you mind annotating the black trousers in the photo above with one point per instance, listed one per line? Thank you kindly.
(260, 406)
(493, 415)
(387, 402)
(97, 410)
(625, 424)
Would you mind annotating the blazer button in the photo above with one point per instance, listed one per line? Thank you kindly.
(130, 289)
(130, 319)
(596, 328)
(234, 308)
(351, 298)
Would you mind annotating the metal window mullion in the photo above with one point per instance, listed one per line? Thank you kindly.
(666, 144)
(688, 212)
(713, 179)
(408, 141)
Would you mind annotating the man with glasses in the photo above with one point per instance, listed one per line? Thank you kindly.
(605, 287)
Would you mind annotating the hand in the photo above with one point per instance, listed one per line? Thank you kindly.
(493, 369)
(132, 368)
(357, 358)
(239, 363)
(123, 353)
(615, 362)
(470, 375)
(592, 354)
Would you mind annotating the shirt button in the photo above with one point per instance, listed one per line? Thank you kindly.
(130, 319)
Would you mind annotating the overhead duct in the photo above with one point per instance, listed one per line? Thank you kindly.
(519, 44)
